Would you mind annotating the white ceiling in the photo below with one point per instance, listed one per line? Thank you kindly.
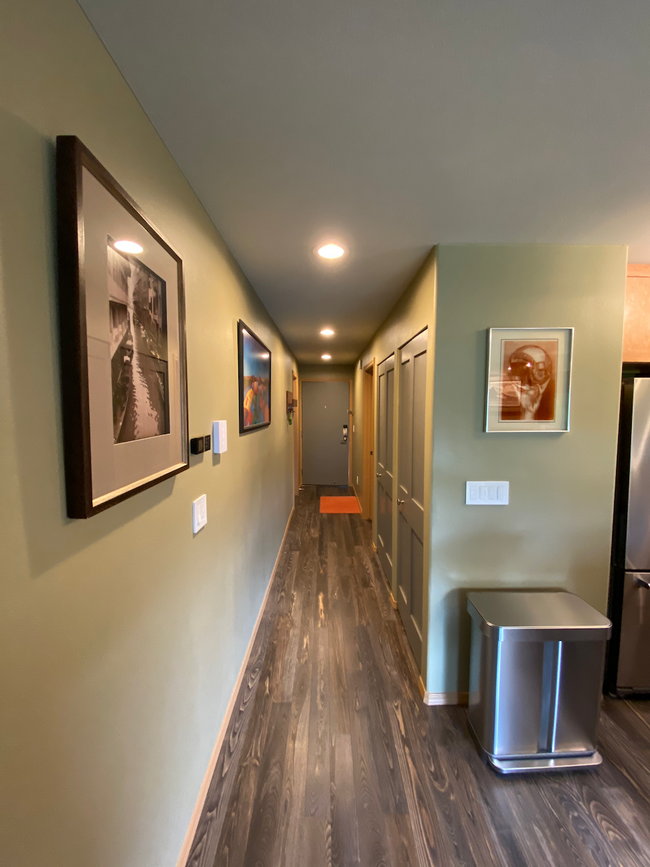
(392, 125)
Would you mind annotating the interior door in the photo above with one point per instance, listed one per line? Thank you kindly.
(385, 391)
(410, 489)
(296, 436)
(325, 433)
(368, 441)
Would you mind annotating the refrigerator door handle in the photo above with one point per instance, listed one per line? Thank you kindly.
(641, 582)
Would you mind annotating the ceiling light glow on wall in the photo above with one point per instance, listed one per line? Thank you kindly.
(127, 247)
(327, 332)
(326, 357)
(331, 251)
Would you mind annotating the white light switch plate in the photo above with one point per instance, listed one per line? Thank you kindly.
(219, 437)
(199, 513)
(487, 493)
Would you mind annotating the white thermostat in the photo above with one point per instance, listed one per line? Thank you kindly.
(219, 437)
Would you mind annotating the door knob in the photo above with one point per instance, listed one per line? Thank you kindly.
(378, 475)
(400, 502)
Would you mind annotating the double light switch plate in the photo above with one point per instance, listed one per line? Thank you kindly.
(219, 437)
(199, 513)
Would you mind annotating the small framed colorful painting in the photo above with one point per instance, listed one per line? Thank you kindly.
(254, 381)
(122, 338)
(528, 379)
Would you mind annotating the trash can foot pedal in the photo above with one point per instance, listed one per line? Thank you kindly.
(527, 766)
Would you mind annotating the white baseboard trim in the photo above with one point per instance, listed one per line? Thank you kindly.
(203, 793)
(441, 698)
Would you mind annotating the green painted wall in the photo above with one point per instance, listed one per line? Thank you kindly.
(121, 636)
(413, 312)
(327, 371)
(556, 531)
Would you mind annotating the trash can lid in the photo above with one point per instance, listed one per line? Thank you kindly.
(533, 615)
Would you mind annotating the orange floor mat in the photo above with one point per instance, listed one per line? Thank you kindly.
(339, 506)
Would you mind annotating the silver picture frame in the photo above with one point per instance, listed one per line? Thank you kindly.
(528, 380)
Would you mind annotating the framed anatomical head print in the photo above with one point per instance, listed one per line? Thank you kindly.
(528, 379)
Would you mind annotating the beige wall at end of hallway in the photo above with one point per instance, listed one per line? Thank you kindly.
(121, 636)
(326, 371)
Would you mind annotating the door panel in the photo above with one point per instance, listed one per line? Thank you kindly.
(385, 398)
(410, 489)
(419, 398)
(368, 441)
(634, 653)
(637, 549)
(325, 456)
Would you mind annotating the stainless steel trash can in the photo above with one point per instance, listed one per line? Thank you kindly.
(536, 675)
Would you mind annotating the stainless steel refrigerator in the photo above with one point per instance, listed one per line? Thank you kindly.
(628, 665)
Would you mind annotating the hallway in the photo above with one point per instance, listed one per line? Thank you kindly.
(331, 758)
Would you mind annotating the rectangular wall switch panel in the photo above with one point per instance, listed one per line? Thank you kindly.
(487, 493)
(199, 513)
(219, 437)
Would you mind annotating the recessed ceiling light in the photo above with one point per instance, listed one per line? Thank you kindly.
(331, 251)
(128, 247)
(326, 332)
(326, 357)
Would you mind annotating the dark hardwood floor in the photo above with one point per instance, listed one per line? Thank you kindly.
(331, 758)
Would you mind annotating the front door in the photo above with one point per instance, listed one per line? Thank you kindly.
(325, 433)
(385, 390)
(410, 489)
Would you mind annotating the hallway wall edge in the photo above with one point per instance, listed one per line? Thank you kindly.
(209, 774)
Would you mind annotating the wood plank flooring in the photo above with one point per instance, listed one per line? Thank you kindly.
(332, 759)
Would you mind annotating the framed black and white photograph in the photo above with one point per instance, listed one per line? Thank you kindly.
(122, 326)
(254, 364)
(528, 379)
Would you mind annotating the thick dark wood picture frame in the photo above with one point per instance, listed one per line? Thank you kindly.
(240, 364)
(71, 157)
